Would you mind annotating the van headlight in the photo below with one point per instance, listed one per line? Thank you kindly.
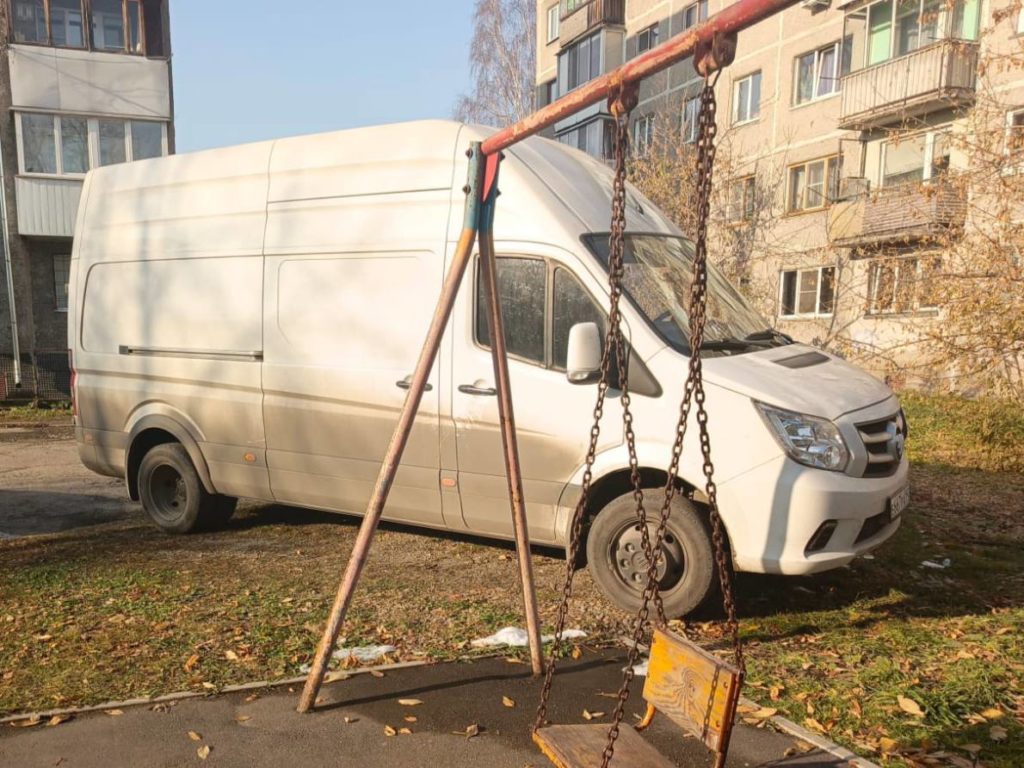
(807, 439)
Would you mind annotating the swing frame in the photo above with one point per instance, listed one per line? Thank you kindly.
(481, 196)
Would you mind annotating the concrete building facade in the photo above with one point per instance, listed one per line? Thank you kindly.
(839, 124)
(83, 83)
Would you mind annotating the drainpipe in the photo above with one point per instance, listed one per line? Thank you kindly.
(5, 235)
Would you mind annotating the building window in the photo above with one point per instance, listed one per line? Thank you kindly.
(61, 278)
(695, 13)
(813, 185)
(114, 25)
(746, 98)
(647, 39)
(553, 23)
(594, 138)
(894, 28)
(913, 159)
(1015, 134)
(818, 73)
(1020, 21)
(548, 92)
(691, 120)
(901, 285)
(69, 146)
(742, 200)
(643, 134)
(579, 63)
(807, 292)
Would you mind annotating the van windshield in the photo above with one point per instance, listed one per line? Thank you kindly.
(657, 272)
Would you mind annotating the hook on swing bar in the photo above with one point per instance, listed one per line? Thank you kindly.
(716, 54)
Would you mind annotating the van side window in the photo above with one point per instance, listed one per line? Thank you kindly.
(572, 305)
(522, 287)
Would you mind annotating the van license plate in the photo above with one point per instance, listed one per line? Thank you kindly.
(899, 502)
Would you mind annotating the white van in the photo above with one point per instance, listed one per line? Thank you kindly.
(243, 323)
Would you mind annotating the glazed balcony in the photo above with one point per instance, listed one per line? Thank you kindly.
(938, 76)
(577, 17)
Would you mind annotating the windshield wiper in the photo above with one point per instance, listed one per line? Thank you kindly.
(769, 334)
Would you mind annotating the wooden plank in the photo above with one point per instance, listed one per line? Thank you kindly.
(685, 683)
(581, 746)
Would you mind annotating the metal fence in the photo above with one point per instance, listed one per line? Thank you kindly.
(45, 376)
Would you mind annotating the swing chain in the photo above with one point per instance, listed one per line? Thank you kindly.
(612, 346)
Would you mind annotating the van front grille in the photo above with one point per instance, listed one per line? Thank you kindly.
(884, 441)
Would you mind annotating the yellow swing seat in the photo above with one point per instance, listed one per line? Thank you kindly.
(684, 682)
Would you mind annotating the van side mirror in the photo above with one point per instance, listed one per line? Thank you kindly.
(583, 356)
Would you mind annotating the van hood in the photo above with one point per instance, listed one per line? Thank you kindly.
(798, 377)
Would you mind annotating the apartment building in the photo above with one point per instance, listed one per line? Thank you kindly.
(838, 125)
(83, 84)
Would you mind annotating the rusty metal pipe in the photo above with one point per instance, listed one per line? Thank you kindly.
(506, 416)
(389, 467)
(736, 17)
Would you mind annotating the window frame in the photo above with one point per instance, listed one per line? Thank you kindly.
(566, 54)
(551, 266)
(694, 124)
(57, 294)
(799, 272)
(837, 68)
(747, 185)
(944, 24)
(651, 31)
(927, 158)
(896, 262)
(750, 105)
(88, 43)
(92, 141)
(554, 23)
(643, 134)
(830, 183)
(1014, 135)
(700, 13)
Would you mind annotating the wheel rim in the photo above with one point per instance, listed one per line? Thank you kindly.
(169, 493)
(630, 565)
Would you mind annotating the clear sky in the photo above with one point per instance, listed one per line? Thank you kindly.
(246, 70)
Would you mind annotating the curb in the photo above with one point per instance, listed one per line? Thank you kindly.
(330, 677)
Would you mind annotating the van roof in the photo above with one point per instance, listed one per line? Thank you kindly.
(230, 188)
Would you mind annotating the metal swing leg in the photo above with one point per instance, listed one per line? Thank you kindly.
(476, 200)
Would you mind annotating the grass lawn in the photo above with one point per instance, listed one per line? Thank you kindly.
(894, 659)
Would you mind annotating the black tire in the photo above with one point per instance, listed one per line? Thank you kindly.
(173, 495)
(616, 561)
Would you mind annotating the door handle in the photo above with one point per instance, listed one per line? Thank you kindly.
(406, 383)
(471, 389)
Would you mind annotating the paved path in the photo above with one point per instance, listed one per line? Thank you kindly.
(266, 731)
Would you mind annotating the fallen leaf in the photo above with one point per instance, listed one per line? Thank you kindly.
(887, 745)
(993, 713)
(252, 697)
(194, 736)
(58, 719)
(405, 731)
(997, 733)
(971, 748)
(587, 715)
(349, 720)
(410, 702)
(209, 686)
(28, 723)
(470, 732)
(814, 725)
(114, 712)
(910, 706)
(508, 702)
(764, 713)
(192, 661)
(230, 655)
(242, 718)
(410, 718)
(376, 673)
(389, 731)
(576, 652)
(204, 751)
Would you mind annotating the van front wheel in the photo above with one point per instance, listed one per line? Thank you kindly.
(173, 495)
(617, 563)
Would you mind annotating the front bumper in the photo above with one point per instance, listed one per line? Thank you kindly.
(773, 511)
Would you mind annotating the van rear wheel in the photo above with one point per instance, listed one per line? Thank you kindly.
(173, 495)
(617, 563)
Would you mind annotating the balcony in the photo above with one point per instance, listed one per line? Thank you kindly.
(578, 18)
(898, 214)
(938, 76)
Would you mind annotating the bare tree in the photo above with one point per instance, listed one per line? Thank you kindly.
(502, 60)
